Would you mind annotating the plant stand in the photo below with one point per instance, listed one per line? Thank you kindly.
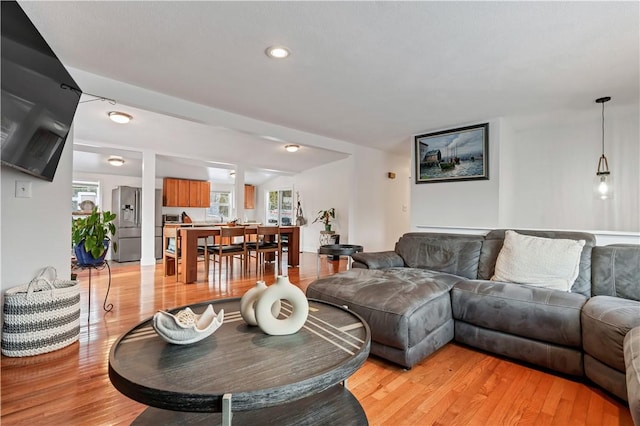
(98, 267)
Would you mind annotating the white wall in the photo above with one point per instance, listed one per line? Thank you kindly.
(369, 205)
(379, 205)
(322, 188)
(542, 169)
(549, 163)
(36, 231)
(465, 203)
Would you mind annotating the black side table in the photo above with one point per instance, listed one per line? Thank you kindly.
(337, 250)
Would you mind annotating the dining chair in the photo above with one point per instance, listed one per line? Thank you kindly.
(171, 252)
(232, 244)
(267, 241)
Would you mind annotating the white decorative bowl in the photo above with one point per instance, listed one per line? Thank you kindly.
(187, 327)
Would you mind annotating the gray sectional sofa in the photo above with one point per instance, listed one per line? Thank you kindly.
(435, 288)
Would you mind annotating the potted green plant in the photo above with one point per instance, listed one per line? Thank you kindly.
(91, 236)
(325, 216)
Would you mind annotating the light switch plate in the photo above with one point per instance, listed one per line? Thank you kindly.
(23, 189)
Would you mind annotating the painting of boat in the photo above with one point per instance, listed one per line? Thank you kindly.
(447, 165)
(451, 155)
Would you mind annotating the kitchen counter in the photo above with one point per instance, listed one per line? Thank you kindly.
(208, 224)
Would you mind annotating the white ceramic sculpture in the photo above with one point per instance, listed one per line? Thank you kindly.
(187, 327)
(282, 289)
(248, 303)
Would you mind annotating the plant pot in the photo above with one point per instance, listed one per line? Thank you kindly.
(86, 259)
(327, 228)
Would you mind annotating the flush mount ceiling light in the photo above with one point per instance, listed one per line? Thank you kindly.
(603, 187)
(277, 52)
(120, 117)
(292, 147)
(116, 160)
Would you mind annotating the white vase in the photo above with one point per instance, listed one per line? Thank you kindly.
(270, 323)
(248, 303)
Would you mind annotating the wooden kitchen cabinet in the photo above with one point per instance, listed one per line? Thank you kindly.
(199, 193)
(249, 197)
(170, 192)
(185, 193)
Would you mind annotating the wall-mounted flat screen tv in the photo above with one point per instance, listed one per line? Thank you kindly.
(39, 97)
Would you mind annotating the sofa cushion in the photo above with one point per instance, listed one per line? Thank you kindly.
(548, 355)
(632, 362)
(449, 253)
(605, 322)
(493, 243)
(401, 305)
(542, 262)
(615, 271)
(535, 313)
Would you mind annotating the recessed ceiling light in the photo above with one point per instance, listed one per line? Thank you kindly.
(116, 160)
(277, 52)
(292, 147)
(120, 117)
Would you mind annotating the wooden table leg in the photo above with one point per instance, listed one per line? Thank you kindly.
(189, 251)
(293, 255)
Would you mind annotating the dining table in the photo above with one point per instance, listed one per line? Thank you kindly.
(189, 237)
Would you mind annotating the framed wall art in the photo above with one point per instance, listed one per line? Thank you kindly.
(453, 155)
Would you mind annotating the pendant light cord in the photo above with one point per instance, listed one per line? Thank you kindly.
(603, 129)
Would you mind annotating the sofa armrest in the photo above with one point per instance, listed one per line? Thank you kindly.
(377, 260)
(632, 361)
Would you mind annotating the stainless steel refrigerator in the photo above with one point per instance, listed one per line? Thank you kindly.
(126, 203)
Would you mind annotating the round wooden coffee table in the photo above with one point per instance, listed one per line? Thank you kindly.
(293, 379)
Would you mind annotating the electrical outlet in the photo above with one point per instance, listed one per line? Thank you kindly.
(23, 189)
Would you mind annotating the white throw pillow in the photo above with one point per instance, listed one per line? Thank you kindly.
(542, 262)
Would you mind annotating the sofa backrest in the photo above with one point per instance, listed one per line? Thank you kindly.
(450, 253)
(493, 244)
(615, 271)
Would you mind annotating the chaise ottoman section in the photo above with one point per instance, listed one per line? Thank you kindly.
(408, 310)
(536, 325)
(606, 320)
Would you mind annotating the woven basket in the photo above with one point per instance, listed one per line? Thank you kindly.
(41, 316)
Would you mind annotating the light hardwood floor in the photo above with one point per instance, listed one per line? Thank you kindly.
(455, 386)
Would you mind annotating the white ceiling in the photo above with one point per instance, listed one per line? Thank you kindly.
(182, 146)
(369, 73)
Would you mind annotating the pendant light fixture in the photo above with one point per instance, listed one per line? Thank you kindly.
(603, 187)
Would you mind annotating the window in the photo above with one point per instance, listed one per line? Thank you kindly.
(84, 191)
(220, 204)
(280, 207)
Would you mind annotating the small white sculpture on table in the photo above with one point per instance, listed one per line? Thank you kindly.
(261, 306)
(187, 327)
